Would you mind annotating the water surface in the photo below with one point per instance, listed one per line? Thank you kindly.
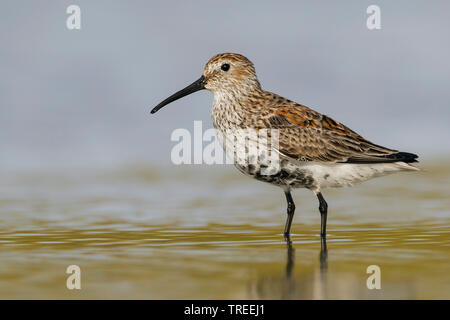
(198, 232)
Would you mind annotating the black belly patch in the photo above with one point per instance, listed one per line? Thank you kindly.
(294, 178)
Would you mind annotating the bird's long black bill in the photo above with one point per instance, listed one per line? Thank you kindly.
(193, 87)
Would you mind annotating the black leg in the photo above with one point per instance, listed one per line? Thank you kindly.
(323, 208)
(290, 213)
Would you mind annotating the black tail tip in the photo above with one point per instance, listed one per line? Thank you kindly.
(404, 157)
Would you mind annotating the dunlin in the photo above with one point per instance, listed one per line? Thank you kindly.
(315, 151)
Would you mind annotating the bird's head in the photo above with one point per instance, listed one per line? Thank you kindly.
(230, 72)
(224, 74)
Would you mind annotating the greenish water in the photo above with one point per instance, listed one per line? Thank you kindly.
(198, 232)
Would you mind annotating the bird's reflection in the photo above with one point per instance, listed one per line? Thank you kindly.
(323, 257)
(290, 257)
(310, 282)
(289, 267)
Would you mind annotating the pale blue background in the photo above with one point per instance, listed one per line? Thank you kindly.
(81, 98)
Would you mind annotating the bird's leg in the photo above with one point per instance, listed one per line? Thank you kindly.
(323, 208)
(290, 213)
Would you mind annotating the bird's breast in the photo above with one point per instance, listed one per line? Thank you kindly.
(226, 115)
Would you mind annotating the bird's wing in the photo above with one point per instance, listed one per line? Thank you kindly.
(307, 135)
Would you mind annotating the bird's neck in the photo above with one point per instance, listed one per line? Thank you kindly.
(232, 108)
(237, 94)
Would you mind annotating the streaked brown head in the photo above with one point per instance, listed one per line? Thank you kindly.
(225, 73)
(230, 72)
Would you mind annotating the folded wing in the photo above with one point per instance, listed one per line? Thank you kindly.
(307, 135)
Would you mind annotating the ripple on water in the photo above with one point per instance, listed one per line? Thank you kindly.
(219, 236)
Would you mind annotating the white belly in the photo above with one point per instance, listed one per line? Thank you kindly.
(346, 174)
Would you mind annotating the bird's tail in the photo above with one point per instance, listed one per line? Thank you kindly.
(404, 160)
(403, 157)
(406, 166)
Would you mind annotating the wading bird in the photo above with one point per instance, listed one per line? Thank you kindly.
(315, 151)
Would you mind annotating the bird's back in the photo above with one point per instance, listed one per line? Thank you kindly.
(315, 150)
(307, 135)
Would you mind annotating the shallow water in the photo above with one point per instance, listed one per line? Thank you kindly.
(198, 232)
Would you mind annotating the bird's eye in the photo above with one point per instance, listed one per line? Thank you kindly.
(225, 67)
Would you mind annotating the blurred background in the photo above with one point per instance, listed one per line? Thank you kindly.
(85, 170)
(82, 97)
